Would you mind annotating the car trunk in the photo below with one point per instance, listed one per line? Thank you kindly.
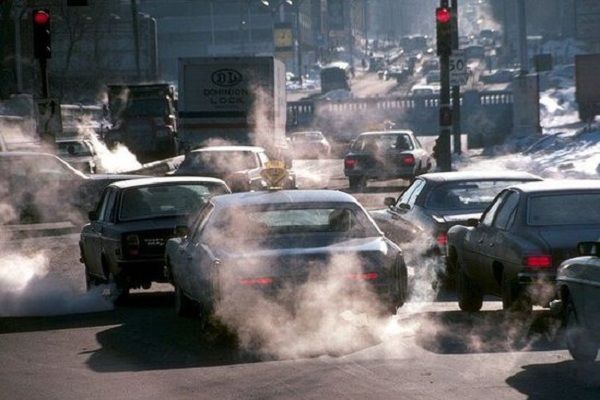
(562, 240)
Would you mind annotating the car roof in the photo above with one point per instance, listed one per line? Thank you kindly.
(282, 197)
(254, 149)
(558, 185)
(456, 176)
(391, 132)
(126, 184)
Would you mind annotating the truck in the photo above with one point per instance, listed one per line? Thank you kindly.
(143, 118)
(232, 100)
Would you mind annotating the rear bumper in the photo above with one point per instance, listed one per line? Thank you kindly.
(136, 272)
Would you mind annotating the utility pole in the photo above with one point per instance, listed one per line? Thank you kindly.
(443, 16)
(136, 38)
(456, 129)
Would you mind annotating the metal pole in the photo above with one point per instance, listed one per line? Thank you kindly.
(456, 128)
(44, 76)
(299, 40)
(136, 38)
(523, 37)
(445, 130)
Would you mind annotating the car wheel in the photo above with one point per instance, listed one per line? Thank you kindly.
(184, 306)
(581, 345)
(357, 183)
(470, 297)
(514, 297)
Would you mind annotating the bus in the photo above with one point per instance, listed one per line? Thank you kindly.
(336, 76)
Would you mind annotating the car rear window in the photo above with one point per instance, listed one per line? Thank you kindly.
(466, 195)
(564, 209)
(380, 143)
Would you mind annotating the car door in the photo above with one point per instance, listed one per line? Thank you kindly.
(476, 254)
(92, 236)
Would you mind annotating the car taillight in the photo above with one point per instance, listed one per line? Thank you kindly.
(132, 243)
(408, 159)
(442, 238)
(367, 276)
(257, 281)
(350, 163)
(537, 261)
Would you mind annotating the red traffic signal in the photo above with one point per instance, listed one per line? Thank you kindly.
(41, 34)
(443, 15)
(41, 17)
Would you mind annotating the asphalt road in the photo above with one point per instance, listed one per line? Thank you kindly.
(62, 343)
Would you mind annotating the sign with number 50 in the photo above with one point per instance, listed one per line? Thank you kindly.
(458, 68)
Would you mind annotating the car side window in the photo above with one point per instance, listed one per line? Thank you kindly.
(507, 212)
(200, 223)
(488, 217)
(419, 185)
(110, 203)
(101, 208)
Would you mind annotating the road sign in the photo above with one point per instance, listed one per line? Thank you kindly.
(458, 68)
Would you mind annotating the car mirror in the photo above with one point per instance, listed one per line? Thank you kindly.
(93, 216)
(182, 231)
(389, 201)
(473, 222)
(588, 249)
(404, 206)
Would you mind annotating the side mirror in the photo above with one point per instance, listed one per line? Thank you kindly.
(473, 222)
(389, 201)
(588, 249)
(404, 206)
(93, 216)
(182, 231)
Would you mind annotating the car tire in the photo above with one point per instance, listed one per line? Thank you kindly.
(470, 296)
(90, 281)
(357, 183)
(514, 297)
(400, 294)
(580, 343)
(184, 306)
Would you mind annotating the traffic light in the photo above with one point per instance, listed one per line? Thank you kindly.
(41, 34)
(443, 19)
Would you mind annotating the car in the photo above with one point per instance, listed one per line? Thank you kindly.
(515, 248)
(577, 283)
(310, 144)
(430, 64)
(272, 240)
(382, 155)
(79, 153)
(433, 77)
(424, 90)
(124, 241)
(239, 166)
(435, 202)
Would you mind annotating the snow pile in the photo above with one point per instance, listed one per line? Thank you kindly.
(558, 107)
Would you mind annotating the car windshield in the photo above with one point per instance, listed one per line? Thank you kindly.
(564, 209)
(467, 195)
(220, 161)
(379, 143)
(165, 200)
(251, 223)
(73, 149)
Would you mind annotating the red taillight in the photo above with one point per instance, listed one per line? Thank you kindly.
(543, 261)
(442, 238)
(367, 276)
(408, 159)
(350, 163)
(133, 245)
(256, 281)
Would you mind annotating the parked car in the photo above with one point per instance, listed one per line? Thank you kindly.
(577, 283)
(385, 155)
(270, 240)
(435, 202)
(515, 248)
(239, 166)
(310, 144)
(79, 153)
(125, 240)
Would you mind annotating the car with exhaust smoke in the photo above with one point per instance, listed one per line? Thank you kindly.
(435, 202)
(385, 155)
(577, 283)
(239, 166)
(274, 242)
(514, 249)
(39, 188)
(309, 144)
(124, 242)
(79, 153)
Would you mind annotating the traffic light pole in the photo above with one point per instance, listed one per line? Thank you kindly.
(456, 128)
(44, 76)
(445, 159)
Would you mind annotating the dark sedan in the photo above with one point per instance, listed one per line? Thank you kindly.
(125, 240)
(515, 248)
(437, 201)
(385, 155)
(269, 241)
